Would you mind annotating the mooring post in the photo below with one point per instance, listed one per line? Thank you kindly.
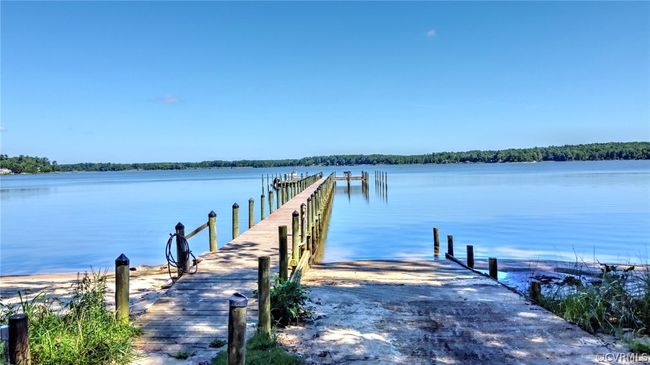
(492, 263)
(19, 353)
(535, 290)
(182, 250)
(235, 220)
(251, 213)
(122, 288)
(450, 245)
(436, 242)
(470, 256)
(270, 202)
(284, 264)
(279, 198)
(295, 239)
(237, 329)
(212, 230)
(264, 294)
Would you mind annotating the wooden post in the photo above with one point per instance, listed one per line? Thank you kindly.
(279, 198)
(237, 329)
(262, 205)
(264, 295)
(182, 252)
(270, 202)
(212, 230)
(470, 256)
(251, 213)
(492, 261)
(308, 212)
(235, 220)
(450, 245)
(303, 208)
(122, 288)
(284, 264)
(436, 242)
(535, 290)
(295, 239)
(19, 353)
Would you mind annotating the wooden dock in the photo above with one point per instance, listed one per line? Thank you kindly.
(194, 311)
(430, 312)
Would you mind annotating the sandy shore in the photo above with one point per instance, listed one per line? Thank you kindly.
(146, 286)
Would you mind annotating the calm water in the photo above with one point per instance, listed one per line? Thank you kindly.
(68, 222)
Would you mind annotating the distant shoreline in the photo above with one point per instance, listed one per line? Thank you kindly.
(582, 152)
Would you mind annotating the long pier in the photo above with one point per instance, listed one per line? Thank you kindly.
(194, 311)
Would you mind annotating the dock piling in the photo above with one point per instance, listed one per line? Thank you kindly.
(284, 264)
(237, 329)
(264, 295)
(492, 263)
(535, 290)
(450, 245)
(262, 204)
(436, 242)
(212, 230)
(122, 288)
(251, 213)
(19, 353)
(470, 256)
(182, 251)
(295, 239)
(235, 220)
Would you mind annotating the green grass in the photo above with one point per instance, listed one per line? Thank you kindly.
(83, 333)
(607, 306)
(217, 342)
(262, 349)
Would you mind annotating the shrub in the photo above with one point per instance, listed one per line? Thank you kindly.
(288, 300)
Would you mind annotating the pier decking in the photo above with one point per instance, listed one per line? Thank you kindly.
(194, 311)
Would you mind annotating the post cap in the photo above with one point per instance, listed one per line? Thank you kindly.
(235, 206)
(309, 199)
(295, 213)
(262, 196)
(212, 214)
(237, 301)
(17, 317)
(179, 226)
(303, 205)
(121, 260)
(251, 200)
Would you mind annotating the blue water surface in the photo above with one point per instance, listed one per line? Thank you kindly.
(72, 221)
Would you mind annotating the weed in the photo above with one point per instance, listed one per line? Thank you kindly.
(181, 355)
(262, 349)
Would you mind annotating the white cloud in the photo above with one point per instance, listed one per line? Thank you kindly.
(431, 33)
(167, 99)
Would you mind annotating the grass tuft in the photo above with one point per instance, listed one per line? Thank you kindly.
(262, 349)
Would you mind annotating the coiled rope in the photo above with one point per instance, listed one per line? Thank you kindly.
(171, 260)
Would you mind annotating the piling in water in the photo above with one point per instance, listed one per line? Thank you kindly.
(235, 220)
(212, 230)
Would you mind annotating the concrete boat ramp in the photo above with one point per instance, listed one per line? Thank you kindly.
(430, 312)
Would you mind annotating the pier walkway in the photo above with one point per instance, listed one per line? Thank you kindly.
(430, 312)
(194, 311)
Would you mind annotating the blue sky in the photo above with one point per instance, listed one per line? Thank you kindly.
(171, 81)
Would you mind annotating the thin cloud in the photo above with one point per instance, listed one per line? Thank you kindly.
(431, 33)
(167, 99)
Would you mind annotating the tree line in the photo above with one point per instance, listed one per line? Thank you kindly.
(581, 152)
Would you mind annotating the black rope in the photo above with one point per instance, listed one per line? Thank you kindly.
(171, 260)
